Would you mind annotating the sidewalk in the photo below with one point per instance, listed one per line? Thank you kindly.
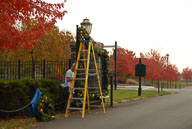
(144, 88)
(162, 112)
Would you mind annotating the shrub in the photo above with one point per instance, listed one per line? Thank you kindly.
(131, 81)
(55, 77)
(121, 80)
(15, 94)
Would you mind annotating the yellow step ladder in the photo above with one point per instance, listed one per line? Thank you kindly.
(84, 59)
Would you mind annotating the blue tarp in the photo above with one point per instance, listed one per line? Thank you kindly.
(32, 110)
(85, 41)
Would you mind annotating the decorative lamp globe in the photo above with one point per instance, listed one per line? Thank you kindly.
(87, 25)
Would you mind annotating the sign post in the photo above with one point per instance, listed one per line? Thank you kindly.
(140, 71)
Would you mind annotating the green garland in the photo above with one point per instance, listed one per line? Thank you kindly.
(105, 54)
(83, 35)
(45, 109)
(93, 95)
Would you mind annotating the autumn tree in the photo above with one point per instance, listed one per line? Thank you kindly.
(54, 46)
(157, 67)
(155, 64)
(15, 13)
(187, 74)
(173, 73)
(126, 61)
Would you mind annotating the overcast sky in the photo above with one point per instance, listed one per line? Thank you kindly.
(138, 25)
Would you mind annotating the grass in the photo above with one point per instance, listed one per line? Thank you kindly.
(18, 123)
(119, 96)
(128, 95)
(24, 122)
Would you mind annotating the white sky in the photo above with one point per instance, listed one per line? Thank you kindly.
(138, 25)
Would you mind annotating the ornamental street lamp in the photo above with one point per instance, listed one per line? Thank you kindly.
(87, 25)
(167, 55)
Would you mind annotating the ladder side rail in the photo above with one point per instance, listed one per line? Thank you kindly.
(85, 66)
(73, 81)
(86, 80)
(98, 79)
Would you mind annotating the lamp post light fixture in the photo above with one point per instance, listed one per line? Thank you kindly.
(167, 55)
(87, 25)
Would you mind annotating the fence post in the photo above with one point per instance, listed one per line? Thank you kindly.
(44, 67)
(33, 69)
(70, 63)
(158, 86)
(161, 85)
(19, 69)
(111, 91)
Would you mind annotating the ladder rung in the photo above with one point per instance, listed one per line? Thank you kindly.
(92, 74)
(99, 106)
(93, 87)
(80, 74)
(84, 50)
(76, 98)
(80, 79)
(78, 88)
(95, 101)
(82, 59)
(92, 69)
(80, 69)
(75, 108)
(84, 88)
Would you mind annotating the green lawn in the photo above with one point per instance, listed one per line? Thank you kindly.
(119, 96)
(128, 95)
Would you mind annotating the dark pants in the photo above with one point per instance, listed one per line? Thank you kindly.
(66, 92)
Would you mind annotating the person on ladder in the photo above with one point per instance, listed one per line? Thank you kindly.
(68, 83)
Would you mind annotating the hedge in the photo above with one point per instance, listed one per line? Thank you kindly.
(15, 94)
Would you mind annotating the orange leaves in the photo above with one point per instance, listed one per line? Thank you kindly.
(23, 10)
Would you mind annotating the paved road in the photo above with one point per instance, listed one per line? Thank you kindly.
(164, 112)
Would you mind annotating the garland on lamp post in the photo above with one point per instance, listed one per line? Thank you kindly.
(83, 34)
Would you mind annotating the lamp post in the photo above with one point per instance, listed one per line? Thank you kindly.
(87, 25)
(167, 55)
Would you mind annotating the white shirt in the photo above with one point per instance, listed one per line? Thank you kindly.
(69, 74)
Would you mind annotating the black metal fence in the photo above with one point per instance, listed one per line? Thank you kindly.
(14, 70)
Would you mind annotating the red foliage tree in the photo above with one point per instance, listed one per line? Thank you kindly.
(173, 73)
(15, 13)
(157, 67)
(155, 64)
(126, 61)
(187, 73)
